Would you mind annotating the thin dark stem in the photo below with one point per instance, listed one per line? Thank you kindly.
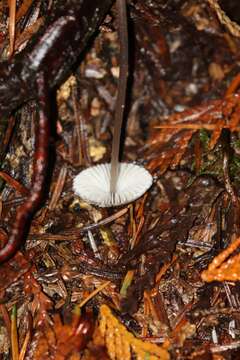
(122, 87)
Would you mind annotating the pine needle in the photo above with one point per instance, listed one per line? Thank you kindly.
(25, 6)
(127, 282)
(25, 345)
(195, 126)
(95, 292)
(12, 25)
(14, 334)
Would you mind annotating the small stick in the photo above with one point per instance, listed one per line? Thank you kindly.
(122, 87)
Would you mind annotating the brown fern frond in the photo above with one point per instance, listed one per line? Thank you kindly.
(169, 140)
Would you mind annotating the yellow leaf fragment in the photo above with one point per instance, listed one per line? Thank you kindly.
(121, 344)
(223, 267)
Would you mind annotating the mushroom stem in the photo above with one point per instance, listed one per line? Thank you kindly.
(121, 94)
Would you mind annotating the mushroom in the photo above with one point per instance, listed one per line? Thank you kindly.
(93, 184)
(117, 183)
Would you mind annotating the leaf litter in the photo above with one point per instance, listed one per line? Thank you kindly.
(131, 282)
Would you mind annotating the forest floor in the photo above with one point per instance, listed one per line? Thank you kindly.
(133, 281)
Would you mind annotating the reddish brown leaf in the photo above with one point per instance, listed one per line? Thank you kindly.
(62, 341)
(40, 304)
(168, 145)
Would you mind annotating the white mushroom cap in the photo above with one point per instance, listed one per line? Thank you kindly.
(93, 184)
